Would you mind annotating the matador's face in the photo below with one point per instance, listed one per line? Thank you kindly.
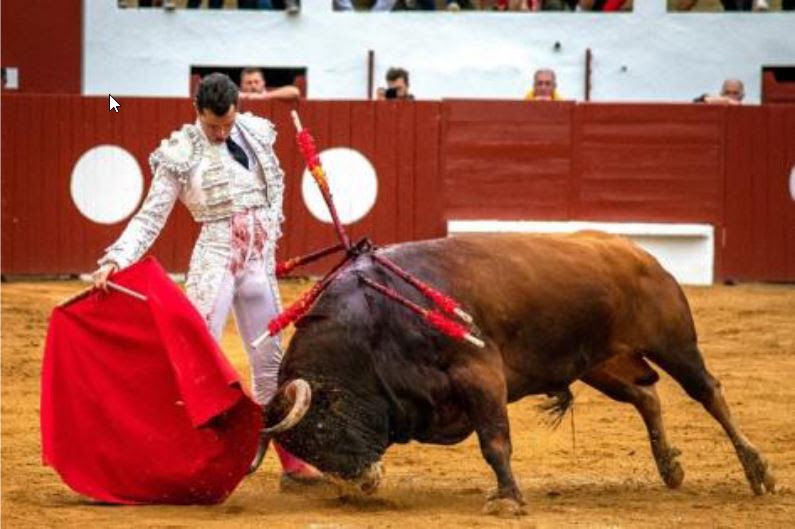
(217, 128)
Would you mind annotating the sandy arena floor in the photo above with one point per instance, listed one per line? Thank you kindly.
(608, 479)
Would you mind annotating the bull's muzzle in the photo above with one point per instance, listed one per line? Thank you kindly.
(300, 393)
(365, 483)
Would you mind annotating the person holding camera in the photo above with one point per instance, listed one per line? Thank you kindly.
(397, 85)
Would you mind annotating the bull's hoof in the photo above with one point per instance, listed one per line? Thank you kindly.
(673, 475)
(671, 471)
(504, 508)
(758, 472)
(509, 492)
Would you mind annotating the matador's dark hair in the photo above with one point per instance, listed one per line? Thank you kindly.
(217, 92)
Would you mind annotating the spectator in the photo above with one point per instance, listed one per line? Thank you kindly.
(732, 92)
(424, 5)
(166, 4)
(241, 4)
(254, 4)
(728, 5)
(397, 82)
(292, 7)
(212, 4)
(252, 86)
(544, 86)
(551, 5)
(604, 5)
(377, 5)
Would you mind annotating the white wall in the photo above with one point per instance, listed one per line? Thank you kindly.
(686, 251)
(641, 56)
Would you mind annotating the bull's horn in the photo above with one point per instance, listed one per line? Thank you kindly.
(301, 394)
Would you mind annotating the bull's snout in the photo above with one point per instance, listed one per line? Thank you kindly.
(365, 483)
(370, 479)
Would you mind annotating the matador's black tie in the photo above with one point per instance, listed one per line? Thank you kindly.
(237, 152)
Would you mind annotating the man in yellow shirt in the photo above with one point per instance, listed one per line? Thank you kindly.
(544, 86)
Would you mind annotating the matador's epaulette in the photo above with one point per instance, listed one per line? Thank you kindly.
(179, 153)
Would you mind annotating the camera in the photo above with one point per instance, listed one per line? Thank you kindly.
(391, 93)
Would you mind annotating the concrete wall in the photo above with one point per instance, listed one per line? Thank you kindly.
(646, 55)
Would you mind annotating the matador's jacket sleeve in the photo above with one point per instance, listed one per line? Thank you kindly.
(171, 164)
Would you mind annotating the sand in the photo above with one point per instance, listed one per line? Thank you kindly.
(602, 475)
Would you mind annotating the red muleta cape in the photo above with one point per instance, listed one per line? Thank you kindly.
(138, 403)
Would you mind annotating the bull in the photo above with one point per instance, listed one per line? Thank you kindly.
(363, 372)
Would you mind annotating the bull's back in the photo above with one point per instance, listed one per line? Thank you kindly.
(555, 305)
(494, 270)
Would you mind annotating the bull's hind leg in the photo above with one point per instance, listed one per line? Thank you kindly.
(631, 379)
(687, 367)
(483, 390)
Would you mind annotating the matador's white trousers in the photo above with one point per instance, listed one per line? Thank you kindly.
(250, 294)
(233, 267)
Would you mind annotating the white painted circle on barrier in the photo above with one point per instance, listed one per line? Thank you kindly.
(353, 183)
(792, 183)
(106, 184)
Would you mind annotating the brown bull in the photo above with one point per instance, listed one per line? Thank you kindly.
(362, 372)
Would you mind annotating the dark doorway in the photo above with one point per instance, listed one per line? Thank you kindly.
(778, 84)
(274, 76)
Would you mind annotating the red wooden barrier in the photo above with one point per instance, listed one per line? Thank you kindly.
(456, 159)
(759, 241)
(561, 161)
(506, 160)
(653, 163)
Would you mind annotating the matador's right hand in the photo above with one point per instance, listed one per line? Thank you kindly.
(102, 273)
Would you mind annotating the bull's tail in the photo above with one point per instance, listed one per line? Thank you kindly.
(556, 407)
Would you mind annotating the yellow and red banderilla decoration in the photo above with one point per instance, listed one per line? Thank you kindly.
(307, 146)
(296, 311)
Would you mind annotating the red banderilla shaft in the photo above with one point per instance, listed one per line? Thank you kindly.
(446, 303)
(300, 307)
(434, 318)
(285, 267)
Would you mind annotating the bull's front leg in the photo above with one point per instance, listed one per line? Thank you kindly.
(483, 391)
